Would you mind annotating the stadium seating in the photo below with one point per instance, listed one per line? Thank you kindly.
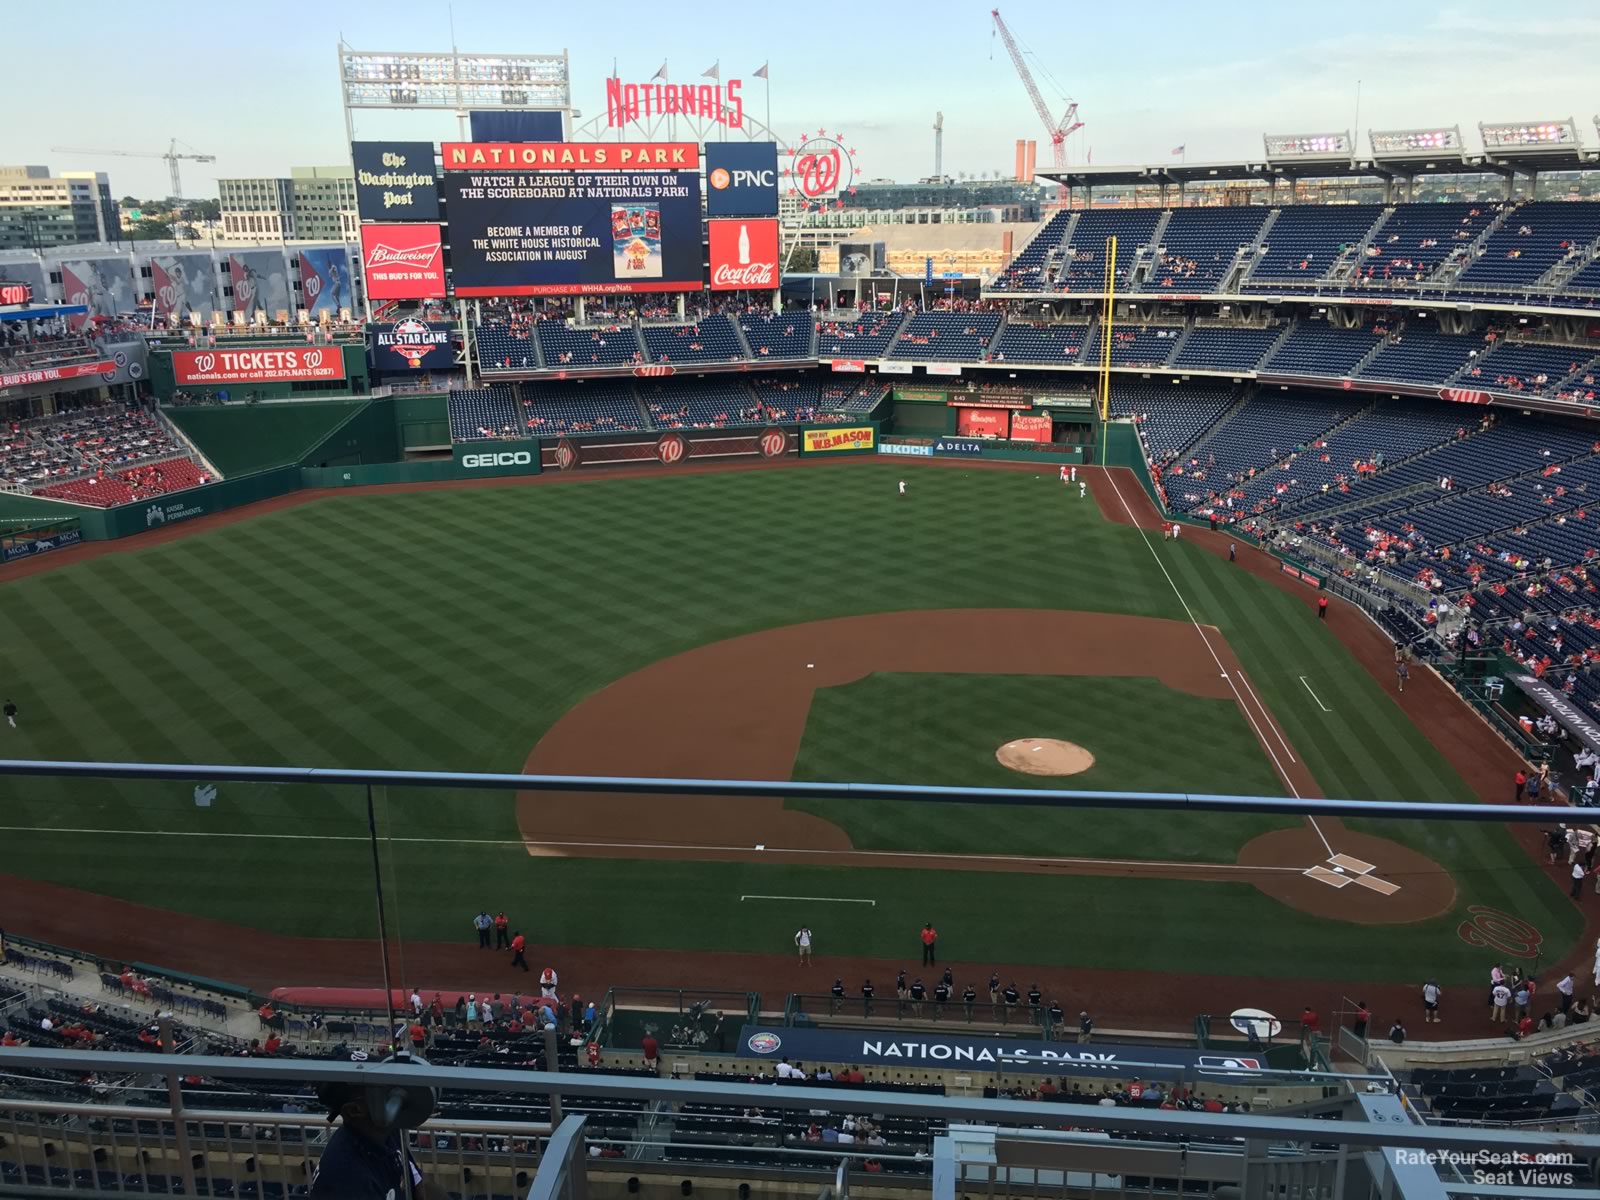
(792, 397)
(1425, 356)
(552, 409)
(711, 339)
(701, 404)
(1227, 348)
(479, 413)
(1415, 240)
(778, 335)
(1314, 347)
(1170, 416)
(1528, 367)
(1136, 345)
(1083, 267)
(1200, 246)
(1024, 342)
(131, 484)
(1531, 239)
(1307, 240)
(1500, 1095)
(867, 337)
(507, 348)
(947, 336)
(1026, 273)
(606, 346)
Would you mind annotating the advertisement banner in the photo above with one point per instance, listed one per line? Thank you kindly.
(911, 449)
(257, 366)
(570, 156)
(518, 232)
(1031, 427)
(325, 281)
(1310, 579)
(921, 395)
(853, 365)
(42, 545)
(1084, 402)
(403, 262)
(29, 276)
(924, 1049)
(958, 447)
(519, 457)
(103, 285)
(833, 439)
(260, 284)
(982, 422)
(894, 368)
(944, 368)
(721, 102)
(395, 181)
(741, 179)
(164, 512)
(744, 254)
(57, 374)
(183, 286)
(411, 345)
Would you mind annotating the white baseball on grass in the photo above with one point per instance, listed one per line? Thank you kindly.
(809, 666)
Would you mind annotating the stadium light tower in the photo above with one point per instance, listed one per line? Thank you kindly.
(1059, 130)
(1524, 136)
(1329, 147)
(401, 80)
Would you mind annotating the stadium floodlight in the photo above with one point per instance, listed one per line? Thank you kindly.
(1408, 143)
(1307, 145)
(387, 79)
(1530, 135)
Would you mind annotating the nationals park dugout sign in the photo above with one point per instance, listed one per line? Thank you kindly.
(257, 366)
(558, 218)
(923, 1049)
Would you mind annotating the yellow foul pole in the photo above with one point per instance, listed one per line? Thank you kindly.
(1105, 341)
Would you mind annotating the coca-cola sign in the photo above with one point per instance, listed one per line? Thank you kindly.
(744, 255)
(403, 262)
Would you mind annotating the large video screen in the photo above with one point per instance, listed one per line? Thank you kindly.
(557, 218)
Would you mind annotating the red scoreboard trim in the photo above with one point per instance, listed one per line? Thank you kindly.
(584, 289)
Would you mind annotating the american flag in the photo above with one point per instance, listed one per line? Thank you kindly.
(1176, 150)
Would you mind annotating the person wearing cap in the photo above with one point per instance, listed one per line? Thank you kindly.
(367, 1155)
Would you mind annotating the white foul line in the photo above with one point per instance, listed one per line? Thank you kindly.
(814, 899)
(1266, 716)
(525, 843)
(1314, 696)
(1271, 753)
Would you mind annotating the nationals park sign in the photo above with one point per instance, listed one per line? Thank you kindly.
(924, 1049)
(256, 366)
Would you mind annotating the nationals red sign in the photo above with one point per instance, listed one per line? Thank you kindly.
(572, 156)
(402, 262)
(15, 293)
(744, 254)
(56, 374)
(719, 102)
(257, 366)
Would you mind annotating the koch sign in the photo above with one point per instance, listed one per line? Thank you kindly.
(742, 179)
(256, 366)
(923, 1049)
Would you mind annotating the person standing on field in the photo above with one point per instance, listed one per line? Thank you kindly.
(802, 939)
(482, 922)
(1430, 1002)
(930, 938)
(502, 932)
(519, 946)
(1063, 472)
(11, 713)
(902, 487)
(1083, 489)
(1322, 608)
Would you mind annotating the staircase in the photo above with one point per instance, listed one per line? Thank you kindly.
(1451, 270)
(1288, 328)
(1343, 270)
(1207, 435)
(994, 342)
(1177, 346)
(1145, 265)
(1054, 258)
(1247, 268)
(1569, 266)
(1366, 359)
(744, 342)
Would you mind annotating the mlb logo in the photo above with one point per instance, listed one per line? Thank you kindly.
(1220, 1062)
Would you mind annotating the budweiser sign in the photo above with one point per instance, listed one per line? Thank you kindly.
(744, 254)
(403, 262)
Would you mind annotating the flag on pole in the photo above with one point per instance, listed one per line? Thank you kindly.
(715, 72)
(1176, 150)
(661, 74)
(762, 73)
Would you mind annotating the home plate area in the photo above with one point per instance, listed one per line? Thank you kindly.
(1343, 870)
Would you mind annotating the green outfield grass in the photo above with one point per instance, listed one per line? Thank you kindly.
(449, 629)
(916, 728)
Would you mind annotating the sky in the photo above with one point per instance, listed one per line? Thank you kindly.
(257, 85)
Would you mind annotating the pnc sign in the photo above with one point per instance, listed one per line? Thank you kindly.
(741, 179)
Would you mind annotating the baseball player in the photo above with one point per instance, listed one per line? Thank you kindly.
(1074, 475)
(902, 487)
(1064, 475)
(1083, 489)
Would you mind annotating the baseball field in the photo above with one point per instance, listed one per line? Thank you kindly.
(802, 623)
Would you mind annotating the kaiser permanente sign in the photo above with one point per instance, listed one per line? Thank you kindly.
(925, 1049)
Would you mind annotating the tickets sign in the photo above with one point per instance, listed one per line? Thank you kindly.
(257, 366)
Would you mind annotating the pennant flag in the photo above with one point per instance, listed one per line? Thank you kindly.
(762, 73)
(661, 74)
(715, 72)
(1179, 149)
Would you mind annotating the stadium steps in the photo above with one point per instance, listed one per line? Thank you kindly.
(1344, 275)
(1574, 380)
(1377, 348)
(1205, 437)
(1146, 264)
(183, 439)
(1053, 257)
(1288, 329)
(999, 331)
(1177, 346)
(1234, 280)
(1449, 271)
(1556, 277)
(744, 342)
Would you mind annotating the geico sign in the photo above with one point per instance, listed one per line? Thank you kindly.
(506, 458)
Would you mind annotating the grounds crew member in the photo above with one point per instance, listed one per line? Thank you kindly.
(502, 932)
(838, 995)
(967, 998)
(941, 997)
(1012, 996)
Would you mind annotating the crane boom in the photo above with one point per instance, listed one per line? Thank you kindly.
(1058, 130)
(171, 157)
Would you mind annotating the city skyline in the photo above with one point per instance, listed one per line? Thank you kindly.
(1148, 81)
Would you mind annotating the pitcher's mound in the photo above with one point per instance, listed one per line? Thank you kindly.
(1044, 756)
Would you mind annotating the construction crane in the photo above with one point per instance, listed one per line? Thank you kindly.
(1059, 130)
(938, 145)
(172, 156)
